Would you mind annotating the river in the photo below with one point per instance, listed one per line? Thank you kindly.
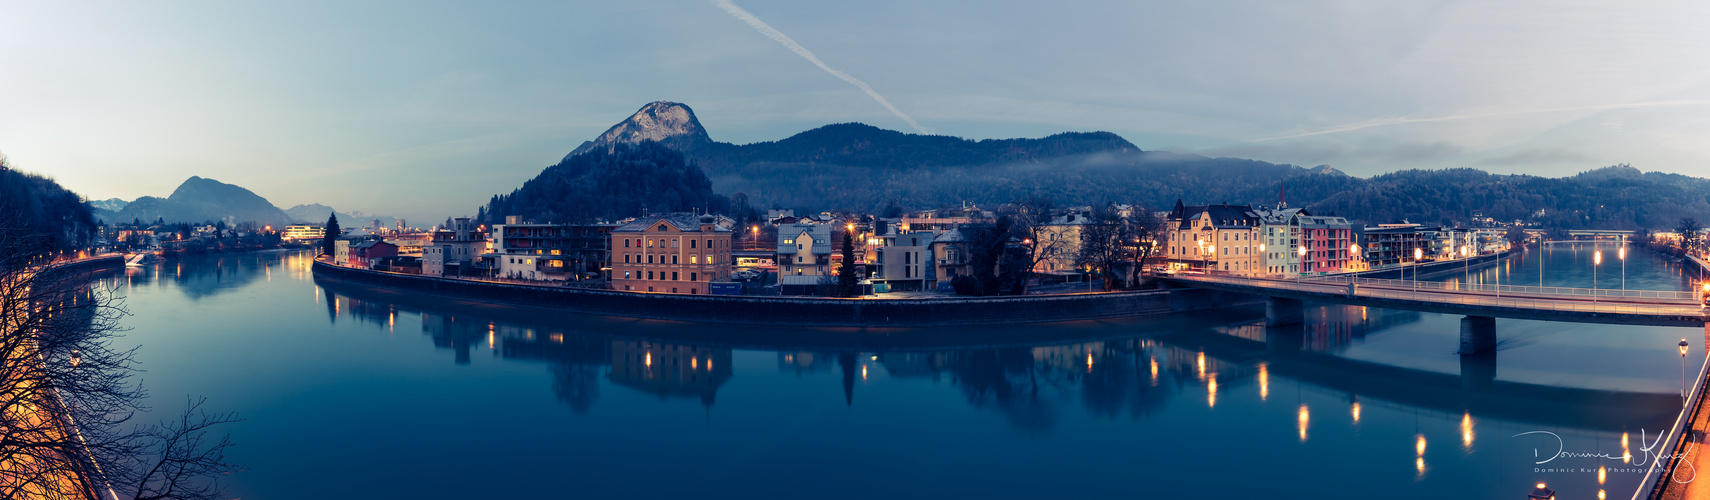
(351, 392)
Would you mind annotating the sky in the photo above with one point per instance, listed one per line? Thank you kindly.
(425, 109)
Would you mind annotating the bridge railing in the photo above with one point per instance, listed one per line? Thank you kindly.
(1510, 289)
(1426, 296)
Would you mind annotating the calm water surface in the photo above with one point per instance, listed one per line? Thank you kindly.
(358, 393)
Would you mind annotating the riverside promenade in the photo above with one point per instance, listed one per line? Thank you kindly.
(1680, 474)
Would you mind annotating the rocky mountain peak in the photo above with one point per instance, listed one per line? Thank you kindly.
(670, 123)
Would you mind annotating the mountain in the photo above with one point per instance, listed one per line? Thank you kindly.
(667, 123)
(110, 204)
(200, 200)
(842, 144)
(609, 184)
(316, 213)
(851, 166)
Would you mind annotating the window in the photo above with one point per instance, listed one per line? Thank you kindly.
(694, 259)
(691, 243)
(626, 276)
(626, 258)
(626, 242)
(692, 277)
(649, 243)
(650, 276)
(650, 259)
(661, 227)
(673, 257)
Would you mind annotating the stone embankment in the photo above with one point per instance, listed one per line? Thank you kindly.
(801, 311)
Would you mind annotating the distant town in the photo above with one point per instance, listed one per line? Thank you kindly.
(1011, 249)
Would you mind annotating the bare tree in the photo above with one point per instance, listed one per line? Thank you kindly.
(1102, 245)
(67, 395)
(1030, 221)
(1142, 230)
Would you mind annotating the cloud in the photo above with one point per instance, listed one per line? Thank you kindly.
(1384, 122)
(1539, 155)
(788, 43)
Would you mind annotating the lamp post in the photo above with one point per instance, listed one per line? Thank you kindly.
(1354, 253)
(1213, 250)
(1265, 257)
(1623, 254)
(1418, 254)
(1466, 265)
(1596, 261)
(1302, 259)
(754, 243)
(1683, 345)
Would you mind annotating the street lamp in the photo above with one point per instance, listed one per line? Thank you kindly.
(1596, 260)
(1418, 254)
(1266, 257)
(1623, 254)
(754, 242)
(1354, 253)
(1466, 265)
(1212, 249)
(1683, 345)
(1302, 259)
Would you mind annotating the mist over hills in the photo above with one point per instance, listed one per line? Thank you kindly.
(853, 166)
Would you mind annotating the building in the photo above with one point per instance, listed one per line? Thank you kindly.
(678, 253)
(1393, 244)
(1219, 238)
(364, 254)
(1059, 244)
(454, 251)
(902, 260)
(1279, 231)
(950, 251)
(570, 252)
(1328, 241)
(805, 249)
(303, 232)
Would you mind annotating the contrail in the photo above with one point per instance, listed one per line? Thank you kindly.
(1405, 120)
(780, 37)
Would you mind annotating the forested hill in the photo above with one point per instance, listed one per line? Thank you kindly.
(857, 167)
(610, 184)
(37, 206)
(843, 144)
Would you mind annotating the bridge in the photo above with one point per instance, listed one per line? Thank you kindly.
(1480, 303)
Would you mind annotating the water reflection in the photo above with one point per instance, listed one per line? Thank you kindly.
(1361, 390)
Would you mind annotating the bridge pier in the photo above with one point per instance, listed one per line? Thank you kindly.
(1478, 335)
(1280, 311)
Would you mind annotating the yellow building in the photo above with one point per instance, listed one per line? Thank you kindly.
(1221, 239)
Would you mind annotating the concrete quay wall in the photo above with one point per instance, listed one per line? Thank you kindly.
(802, 311)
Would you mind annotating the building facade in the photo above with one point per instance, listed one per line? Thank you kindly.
(453, 252)
(805, 249)
(559, 252)
(677, 253)
(1215, 238)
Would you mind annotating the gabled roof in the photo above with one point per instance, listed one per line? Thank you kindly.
(1222, 216)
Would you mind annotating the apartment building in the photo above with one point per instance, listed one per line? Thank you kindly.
(677, 253)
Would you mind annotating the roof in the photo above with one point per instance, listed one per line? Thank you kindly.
(688, 223)
(950, 236)
(1222, 216)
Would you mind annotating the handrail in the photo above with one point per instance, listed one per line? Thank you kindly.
(1430, 295)
(1522, 289)
(1652, 482)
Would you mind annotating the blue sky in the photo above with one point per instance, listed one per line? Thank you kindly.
(424, 109)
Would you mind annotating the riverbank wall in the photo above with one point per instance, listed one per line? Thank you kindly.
(803, 311)
(86, 265)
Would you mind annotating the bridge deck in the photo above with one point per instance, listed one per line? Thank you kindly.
(1543, 303)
